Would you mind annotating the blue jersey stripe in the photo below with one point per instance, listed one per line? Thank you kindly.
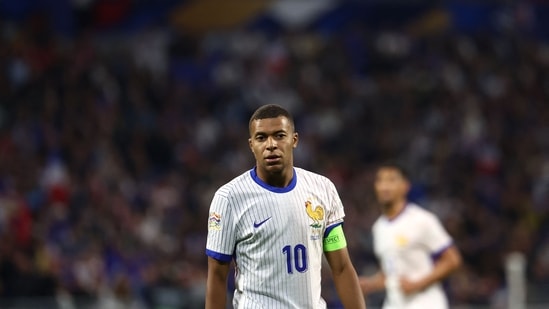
(219, 256)
(330, 228)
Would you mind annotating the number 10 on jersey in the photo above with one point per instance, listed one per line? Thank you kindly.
(296, 258)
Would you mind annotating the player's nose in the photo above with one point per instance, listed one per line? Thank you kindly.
(271, 144)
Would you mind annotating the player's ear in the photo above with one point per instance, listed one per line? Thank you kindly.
(295, 139)
(407, 186)
(250, 144)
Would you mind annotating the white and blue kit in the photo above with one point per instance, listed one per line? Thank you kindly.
(275, 235)
(407, 246)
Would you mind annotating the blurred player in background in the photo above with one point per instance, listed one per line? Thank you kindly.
(276, 221)
(414, 249)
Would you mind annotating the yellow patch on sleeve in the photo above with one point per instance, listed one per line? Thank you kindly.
(335, 240)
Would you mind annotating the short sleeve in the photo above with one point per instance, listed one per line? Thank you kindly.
(336, 212)
(436, 237)
(220, 242)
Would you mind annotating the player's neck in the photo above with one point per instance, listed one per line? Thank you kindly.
(279, 180)
(393, 210)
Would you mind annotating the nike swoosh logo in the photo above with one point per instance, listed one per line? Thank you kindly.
(256, 225)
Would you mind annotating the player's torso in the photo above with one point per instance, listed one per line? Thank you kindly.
(279, 244)
(271, 222)
(399, 244)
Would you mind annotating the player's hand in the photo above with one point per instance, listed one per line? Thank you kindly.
(410, 287)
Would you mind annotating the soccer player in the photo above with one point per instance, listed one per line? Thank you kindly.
(414, 249)
(276, 221)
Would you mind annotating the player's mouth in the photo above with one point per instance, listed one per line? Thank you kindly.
(272, 159)
(385, 195)
(385, 198)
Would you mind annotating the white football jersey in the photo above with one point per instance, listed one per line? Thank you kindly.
(275, 236)
(407, 246)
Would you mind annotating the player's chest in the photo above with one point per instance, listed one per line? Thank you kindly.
(397, 236)
(270, 217)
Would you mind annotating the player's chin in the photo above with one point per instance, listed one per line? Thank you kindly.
(385, 203)
(274, 168)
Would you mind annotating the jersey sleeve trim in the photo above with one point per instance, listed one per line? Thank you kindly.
(219, 256)
(330, 228)
(437, 254)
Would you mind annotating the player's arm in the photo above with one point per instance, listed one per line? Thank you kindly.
(343, 271)
(216, 284)
(374, 283)
(448, 262)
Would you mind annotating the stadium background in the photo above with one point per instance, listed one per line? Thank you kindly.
(120, 118)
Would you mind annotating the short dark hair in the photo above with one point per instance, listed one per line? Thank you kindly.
(271, 111)
(395, 165)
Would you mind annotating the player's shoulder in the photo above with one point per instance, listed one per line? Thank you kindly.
(420, 212)
(378, 222)
(307, 173)
(237, 185)
(309, 176)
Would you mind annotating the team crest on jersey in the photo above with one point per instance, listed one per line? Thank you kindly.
(315, 211)
(214, 222)
(401, 240)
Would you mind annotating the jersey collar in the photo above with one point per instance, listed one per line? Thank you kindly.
(399, 214)
(260, 182)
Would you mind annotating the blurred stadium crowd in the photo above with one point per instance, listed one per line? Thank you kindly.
(111, 148)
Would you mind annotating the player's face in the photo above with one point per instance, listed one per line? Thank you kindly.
(390, 186)
(272, 141)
